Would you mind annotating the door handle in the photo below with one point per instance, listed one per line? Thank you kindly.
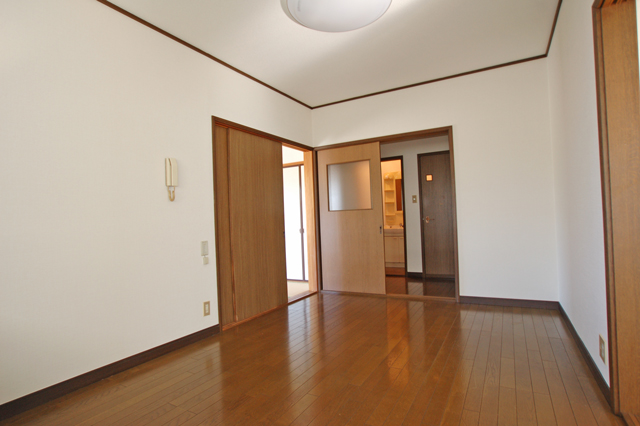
(428, 219)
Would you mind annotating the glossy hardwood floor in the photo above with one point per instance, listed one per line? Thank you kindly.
(420, 287)
(350, 360)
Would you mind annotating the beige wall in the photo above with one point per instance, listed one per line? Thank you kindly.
(96, 263)
(574, 133)
(504, 169)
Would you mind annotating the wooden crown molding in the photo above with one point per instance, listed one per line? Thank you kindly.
(422, 83)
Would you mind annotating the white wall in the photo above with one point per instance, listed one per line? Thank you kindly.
(95, 263)
(409, 151)
(504, 170)
(574, 132)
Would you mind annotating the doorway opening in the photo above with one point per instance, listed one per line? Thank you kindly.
(394, 235)
(295, 223)
(419, 229)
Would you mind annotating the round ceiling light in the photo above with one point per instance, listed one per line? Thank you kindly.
(336, 16)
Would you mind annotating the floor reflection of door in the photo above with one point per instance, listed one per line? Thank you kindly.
(413, 286)
(351, 219)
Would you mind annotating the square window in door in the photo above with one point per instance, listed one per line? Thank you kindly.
(349, 186)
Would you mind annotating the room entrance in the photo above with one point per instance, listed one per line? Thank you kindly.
(381, 239)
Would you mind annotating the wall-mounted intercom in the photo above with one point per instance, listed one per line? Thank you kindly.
(171, 176)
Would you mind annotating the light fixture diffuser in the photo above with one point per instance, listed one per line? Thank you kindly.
(336, 16)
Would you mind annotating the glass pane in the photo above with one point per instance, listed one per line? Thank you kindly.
(292, 225)
(349, 186)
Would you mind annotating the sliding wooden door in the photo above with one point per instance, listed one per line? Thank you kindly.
(351, 221)
(249, 224)
(616, 49)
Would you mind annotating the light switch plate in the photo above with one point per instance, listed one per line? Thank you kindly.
(204, 248)
(205, 260)
(603, 350)
(207, 308)
(414, 198)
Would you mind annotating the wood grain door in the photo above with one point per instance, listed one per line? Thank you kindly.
(351, 219)
(436, 210)
(249, 224)
(256, 208)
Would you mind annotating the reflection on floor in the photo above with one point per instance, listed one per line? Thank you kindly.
(296, 288)
(420, 287)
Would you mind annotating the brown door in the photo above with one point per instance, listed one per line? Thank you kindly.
(437, 214)
(250, 224)
(351, 221)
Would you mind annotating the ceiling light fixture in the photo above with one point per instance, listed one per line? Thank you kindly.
(336, 16)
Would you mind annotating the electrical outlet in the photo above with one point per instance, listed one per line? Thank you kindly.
(603, 350)
(207, 308)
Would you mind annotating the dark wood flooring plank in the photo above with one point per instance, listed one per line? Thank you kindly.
(350, 360)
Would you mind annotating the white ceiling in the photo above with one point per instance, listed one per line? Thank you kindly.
(415, 41)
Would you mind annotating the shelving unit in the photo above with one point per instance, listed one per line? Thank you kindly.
(390, 197)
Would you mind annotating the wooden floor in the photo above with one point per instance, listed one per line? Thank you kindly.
(350, 360)
(420, 287)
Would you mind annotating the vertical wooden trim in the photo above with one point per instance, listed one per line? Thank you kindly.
(606, 206)
(618, 96)
(233, 275)
(424, 266)
(312, 240)
(455, 214)
(224, 259)
(316, 186)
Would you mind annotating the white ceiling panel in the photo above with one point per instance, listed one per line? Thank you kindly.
(415, 41)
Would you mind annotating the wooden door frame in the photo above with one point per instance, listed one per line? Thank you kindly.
(404, 205)
(217, 209)
(396, 138)
(618, 98)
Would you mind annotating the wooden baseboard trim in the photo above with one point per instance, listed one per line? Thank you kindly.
(514, 303)
(50, 393)
(417, 275)
(595, 371)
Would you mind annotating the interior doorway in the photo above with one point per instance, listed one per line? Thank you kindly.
(429, 266)
(295, 223)
(352, 238)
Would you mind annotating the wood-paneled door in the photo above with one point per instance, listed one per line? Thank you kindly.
(618, 82)
(436, 212)
(351, 219)
(249, 224)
